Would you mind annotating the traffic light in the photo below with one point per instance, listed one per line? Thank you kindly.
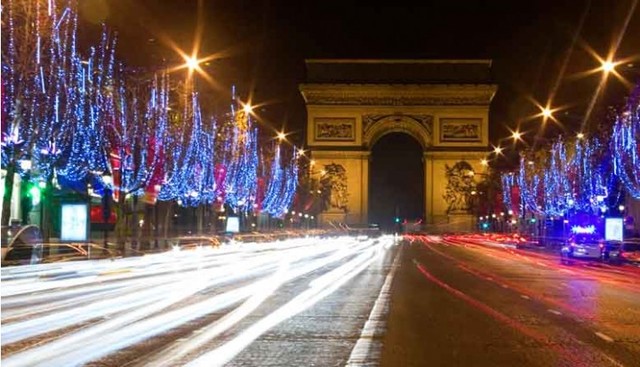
(35, 194)
(397, 220)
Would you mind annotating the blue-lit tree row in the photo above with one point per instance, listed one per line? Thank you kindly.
(583, 175)
(79, 116)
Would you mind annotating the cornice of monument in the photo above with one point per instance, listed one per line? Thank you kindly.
(398, 94)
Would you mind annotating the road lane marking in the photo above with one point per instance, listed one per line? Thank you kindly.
(604, 337)
(524, 296)
(368, 348)
(613, 361)
(555, 312)
(501, 317)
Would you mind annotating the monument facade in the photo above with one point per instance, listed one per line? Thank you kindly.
(442, 104)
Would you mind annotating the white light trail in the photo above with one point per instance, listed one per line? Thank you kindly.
(304, 300)
(124, 302)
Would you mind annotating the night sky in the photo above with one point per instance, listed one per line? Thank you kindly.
(262, 46)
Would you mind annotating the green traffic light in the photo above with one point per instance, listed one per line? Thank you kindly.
(34, 192)
(397, 220)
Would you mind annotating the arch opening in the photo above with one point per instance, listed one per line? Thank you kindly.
(396, 181)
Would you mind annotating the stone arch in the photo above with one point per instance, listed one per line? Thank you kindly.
(418, 128)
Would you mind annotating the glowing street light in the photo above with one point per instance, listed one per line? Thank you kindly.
(247, 108)
(608, 66)
(281, 136)
(484, 162)
(25, 164)
(192, 63)
(107, 179)
(300, 151)
(546, 112)
(516, 135)
(497, 150)
(580, 136)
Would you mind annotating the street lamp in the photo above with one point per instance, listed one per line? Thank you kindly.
(546, 112)
(107, 180)
(608, 66)
(192, 63)
(25, 164)
(516, 135)
(281, 136)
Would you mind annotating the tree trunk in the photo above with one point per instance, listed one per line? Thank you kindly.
(200, 219)
(135, 227)
(8, 193)
(167, 218)
(46, 203)
(121, 223)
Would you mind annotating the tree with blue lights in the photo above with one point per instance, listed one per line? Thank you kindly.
(282, 183)
(136, 126)
(53, 96)
(625, 144)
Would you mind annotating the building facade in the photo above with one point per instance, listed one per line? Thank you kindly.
(442, 104)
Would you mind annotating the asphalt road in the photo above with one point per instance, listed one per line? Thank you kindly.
(304, 302)
(459, 303)
(430, 301)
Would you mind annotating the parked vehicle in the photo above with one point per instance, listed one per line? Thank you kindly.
(612, 252)
(631, 252)
(582, 246)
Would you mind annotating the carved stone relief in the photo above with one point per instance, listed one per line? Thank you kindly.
(334, 188)
(460, 185)
(419, 126)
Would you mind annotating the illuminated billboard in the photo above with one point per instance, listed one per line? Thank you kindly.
(74, 223)
(613, 229)
(233, 224)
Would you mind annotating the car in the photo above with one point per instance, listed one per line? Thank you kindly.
(612, 252)
(631, 252)
(627, 252)
(582, 246)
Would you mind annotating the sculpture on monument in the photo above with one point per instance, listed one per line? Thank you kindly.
(334, 188)
(460, 185)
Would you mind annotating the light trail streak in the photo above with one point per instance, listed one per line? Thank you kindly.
(499, 316)
(156, 289)
(326, 285)
(127, 301)
(368, 348)
(174, 352)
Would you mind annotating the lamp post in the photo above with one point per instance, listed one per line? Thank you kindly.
(107, 180)
(25, 199)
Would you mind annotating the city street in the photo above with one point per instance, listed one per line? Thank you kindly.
(300, 302)
(462, 303)
(431, 301)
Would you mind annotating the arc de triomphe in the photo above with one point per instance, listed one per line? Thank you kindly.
(443, 104)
